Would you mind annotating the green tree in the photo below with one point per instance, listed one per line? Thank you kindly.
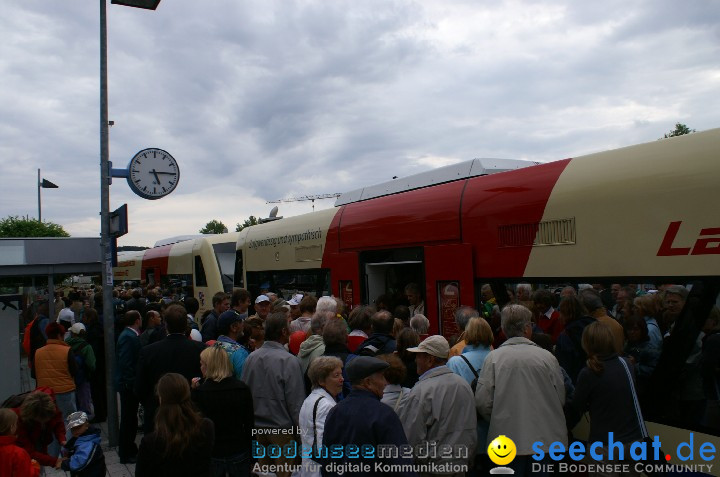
(249, 222)
(680, 129)
(214, 227)
(14, 226)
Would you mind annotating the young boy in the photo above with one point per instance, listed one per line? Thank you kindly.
(14, 460)
(84, 456)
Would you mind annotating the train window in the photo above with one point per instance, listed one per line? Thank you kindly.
(200, 278)
(179, 285)
(238, 279)
(225, 256)
(287, 282)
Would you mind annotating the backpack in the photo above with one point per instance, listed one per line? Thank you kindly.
(473, 385)
(82, 374)
(16, 400)
(32, 337)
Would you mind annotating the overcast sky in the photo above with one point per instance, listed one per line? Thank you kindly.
(259, 100)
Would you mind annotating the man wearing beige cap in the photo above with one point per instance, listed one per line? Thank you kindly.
(429, 421)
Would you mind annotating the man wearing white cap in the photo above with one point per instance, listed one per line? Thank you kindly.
(85, 359)
(427, 418)
(294, 303)
(262, 307)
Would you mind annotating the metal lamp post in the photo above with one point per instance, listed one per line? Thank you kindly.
(107, 276)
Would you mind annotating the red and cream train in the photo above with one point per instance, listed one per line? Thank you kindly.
(645, 213)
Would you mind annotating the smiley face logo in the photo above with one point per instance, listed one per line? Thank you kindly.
(502, 450)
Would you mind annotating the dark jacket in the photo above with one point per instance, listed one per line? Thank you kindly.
(137, 304)
(229, 405)
(377, 343)
(127, 351)
(85, 456)
(568, 349)
(195, 462)
(362, 419)
(608, 397)
(209, 330)
(174, 354)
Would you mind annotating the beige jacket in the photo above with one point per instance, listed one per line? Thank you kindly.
(521, 393)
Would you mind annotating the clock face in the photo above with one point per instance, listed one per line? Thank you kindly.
(153, 173)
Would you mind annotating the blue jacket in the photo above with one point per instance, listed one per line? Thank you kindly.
(362, 419)
(236, 352)
(127, 352)
(85, 456)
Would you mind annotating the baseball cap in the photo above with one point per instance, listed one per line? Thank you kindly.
(77, 328)
(77, 418)
(228, 318)
(364, 366)
(295, 300)
(261, 299)
(434, 345)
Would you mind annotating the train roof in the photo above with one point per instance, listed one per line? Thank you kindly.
(454, 172)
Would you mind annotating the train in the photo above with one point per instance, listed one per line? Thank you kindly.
(640, 214)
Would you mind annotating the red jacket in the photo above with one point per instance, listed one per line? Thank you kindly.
(15, 461)
(551, 326)
(33, 436)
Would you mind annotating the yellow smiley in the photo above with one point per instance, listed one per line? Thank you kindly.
(502, 450)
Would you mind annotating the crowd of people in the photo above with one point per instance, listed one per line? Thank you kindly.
(229, 393)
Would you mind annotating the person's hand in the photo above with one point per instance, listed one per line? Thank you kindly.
(59, 462)
(195, 383)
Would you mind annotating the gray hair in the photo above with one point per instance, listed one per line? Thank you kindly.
(420, 324)
(334, 332)
(591, 299)
(677, 290)
(523, 286)
(321, 367)
(274, 324)
(326, 303)
(463, 315)
(317, 324)
(514, 319)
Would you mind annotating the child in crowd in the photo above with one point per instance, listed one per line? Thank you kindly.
(14, 460)
(84, 456)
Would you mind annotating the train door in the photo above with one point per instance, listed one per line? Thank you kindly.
(449, 284)
(387, 272)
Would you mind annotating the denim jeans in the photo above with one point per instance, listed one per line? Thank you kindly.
(66, 403)
(237, 465)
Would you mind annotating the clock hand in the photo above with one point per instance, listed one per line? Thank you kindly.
(157, 178)
(161, 172)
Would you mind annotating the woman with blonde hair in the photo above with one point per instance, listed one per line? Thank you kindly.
(228, 402)
(182, 442)
(478, 341)
(606, 388)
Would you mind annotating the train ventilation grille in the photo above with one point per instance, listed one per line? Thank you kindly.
(548, 232)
